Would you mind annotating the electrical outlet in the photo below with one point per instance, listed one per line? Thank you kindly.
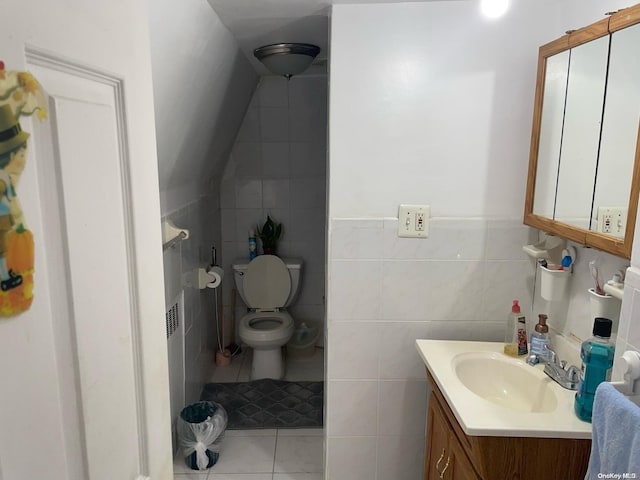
(612, 221)
(413, 221)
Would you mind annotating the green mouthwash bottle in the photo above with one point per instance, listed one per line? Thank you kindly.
(597, 361)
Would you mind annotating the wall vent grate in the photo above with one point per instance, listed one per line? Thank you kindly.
(172, 320)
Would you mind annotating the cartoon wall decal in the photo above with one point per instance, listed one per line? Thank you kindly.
(20, 96)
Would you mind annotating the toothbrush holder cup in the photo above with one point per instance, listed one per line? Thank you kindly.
(605, 306)
(554, 283)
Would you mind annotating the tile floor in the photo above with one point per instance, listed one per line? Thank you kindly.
(309, 369)
(270, 454)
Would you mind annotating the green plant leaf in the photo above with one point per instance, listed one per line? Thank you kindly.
(270, 232)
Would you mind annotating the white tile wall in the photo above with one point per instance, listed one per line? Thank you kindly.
(202, 218)
(396, 398)
(399, 138)
(629, 329)
(351, 457)
(458, 284)
(384, 293)
(573, 316)
(277, 167)
(358, 410)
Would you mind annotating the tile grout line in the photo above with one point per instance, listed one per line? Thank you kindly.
(275, 449)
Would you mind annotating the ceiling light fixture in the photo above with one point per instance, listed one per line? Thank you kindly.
(287, 59)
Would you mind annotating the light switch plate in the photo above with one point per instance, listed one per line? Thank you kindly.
(413, 221)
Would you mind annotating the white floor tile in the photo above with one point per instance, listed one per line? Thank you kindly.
(244, 375)
(191, 476)
(265, 432)
(294, 454)
(254, 454)
(296, 370)
(297, 476)
(238, 476)
(298, 454)
(307, 369)
(228, 373)
(301, 432)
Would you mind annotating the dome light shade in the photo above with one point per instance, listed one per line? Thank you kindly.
(287, 59)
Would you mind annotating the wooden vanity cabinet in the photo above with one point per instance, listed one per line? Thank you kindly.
(453, 455)
(446, 457)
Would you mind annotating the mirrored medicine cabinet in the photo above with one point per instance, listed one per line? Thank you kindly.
(584, 164)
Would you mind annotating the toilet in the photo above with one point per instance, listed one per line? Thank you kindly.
(267, 285)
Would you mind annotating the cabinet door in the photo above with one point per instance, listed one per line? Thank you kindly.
(437, 439)
(459, 466)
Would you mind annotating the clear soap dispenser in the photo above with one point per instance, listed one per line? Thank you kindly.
(540, 338)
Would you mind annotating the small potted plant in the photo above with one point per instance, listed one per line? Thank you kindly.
(269, 234)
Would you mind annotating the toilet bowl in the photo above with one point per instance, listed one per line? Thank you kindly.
(267, 285)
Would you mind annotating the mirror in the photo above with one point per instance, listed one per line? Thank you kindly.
(581, 132)
(555, 88)
(584, 162)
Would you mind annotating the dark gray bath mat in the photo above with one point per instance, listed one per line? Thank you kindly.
(268, 403)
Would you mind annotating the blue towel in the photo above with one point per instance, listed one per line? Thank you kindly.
(615, 448)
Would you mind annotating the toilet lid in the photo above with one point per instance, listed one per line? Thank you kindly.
(267, 283)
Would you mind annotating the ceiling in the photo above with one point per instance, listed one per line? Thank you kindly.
(261, 22)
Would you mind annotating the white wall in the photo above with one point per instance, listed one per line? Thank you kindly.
(435, 108)
(277, 168)
(202, 85)
(199, 315)
(629, 329)
(36, 366)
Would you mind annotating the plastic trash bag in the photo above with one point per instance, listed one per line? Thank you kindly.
(200, 428)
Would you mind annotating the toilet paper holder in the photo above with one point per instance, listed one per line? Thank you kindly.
(210, 277)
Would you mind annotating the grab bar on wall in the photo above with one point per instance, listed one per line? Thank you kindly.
(172, 234)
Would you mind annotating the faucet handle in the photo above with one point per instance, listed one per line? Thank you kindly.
(563, 363)
(533, 359)
(552, 355)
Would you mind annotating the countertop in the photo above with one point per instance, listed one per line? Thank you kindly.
(480, 417)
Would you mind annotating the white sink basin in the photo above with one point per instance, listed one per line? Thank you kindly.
(505, 382)
(492, 394)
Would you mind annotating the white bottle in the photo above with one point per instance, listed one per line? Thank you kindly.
(515, 335)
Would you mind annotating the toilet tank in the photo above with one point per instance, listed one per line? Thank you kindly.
(294, 265)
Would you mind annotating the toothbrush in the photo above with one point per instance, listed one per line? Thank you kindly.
(594, 273)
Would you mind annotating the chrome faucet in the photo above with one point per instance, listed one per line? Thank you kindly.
(566, 377)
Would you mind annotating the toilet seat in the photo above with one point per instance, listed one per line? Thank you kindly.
(266, 326)
(267, 283)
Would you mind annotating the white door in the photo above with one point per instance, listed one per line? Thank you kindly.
(83, 373)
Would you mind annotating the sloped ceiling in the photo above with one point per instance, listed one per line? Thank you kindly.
(202, 85)
(256, 23)
(262, 22)
(204, 74)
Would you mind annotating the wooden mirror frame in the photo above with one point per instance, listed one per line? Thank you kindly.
(607, 243)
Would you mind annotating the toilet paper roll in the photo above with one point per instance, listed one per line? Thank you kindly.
(217, 273)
